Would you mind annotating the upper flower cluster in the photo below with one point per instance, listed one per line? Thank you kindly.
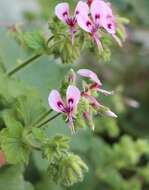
(91, 16)
(80, 105)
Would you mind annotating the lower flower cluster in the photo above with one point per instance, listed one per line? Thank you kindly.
(79, 106)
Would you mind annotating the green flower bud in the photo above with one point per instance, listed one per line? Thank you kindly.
(71, 169)
(56, 147)
(71, 77)
(83, 105)
(103, 110)
(89, 119)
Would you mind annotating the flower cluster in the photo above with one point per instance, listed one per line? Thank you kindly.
(92, 16)
(80, 106)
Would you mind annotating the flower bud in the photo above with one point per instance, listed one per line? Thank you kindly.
(110, 114)
(71, 77)
(72, 169)
(103, 110)
(89, 120)
(56, 147)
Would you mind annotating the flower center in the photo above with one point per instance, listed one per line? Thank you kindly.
(71, 22)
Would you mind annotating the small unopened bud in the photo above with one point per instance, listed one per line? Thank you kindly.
(72, 77)
(131, 102)
(106, 111)
(89, 120)
(110, 114)
(105, 92)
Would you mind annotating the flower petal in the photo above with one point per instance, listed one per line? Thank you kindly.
(109, 24)
(85, 23)
(72, 96)
(90, 74)
(62, 11)
(99, 11)
(55, 101)
(81, 8)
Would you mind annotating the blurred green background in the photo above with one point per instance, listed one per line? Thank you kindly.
(118, 152)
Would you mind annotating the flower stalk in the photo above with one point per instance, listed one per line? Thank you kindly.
(25, 63)
(48, 120)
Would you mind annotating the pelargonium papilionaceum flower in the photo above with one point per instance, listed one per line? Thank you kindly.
(91, 16)
(68, 108)
(95, 86)
(80, 104)
(62, 12)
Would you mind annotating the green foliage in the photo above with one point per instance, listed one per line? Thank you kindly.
(117, 153)
(11, 141)
(55, 147)
(12, 179)
(28, 108)
(35, 41)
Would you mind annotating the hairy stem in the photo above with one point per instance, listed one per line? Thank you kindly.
(48, 120)
(25, 63)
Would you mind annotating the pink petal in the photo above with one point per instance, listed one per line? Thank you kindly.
(109, 25)
(90, 74)
(85, 23)
(81, 8)
(99, 11)
(72, 96)
(62, 11)
(55, 101)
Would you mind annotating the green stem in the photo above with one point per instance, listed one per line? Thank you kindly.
(43, 116)
(47, 121)
(25, 63)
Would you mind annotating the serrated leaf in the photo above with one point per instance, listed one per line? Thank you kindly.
(29, 108)
(11, 141)
(35, 40)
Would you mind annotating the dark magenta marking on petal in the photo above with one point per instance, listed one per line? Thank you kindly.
(110, 26)
(97, 16)
(65, 14)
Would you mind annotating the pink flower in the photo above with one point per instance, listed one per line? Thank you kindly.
(68, 108)
(96, 85)
(62, 12)
(101, 16)
(89, 26)
(89, 74)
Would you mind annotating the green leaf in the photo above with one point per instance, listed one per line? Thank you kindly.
(29, 108)
(11, 178)
(10, 89)
(11, 141)
(35, 41)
